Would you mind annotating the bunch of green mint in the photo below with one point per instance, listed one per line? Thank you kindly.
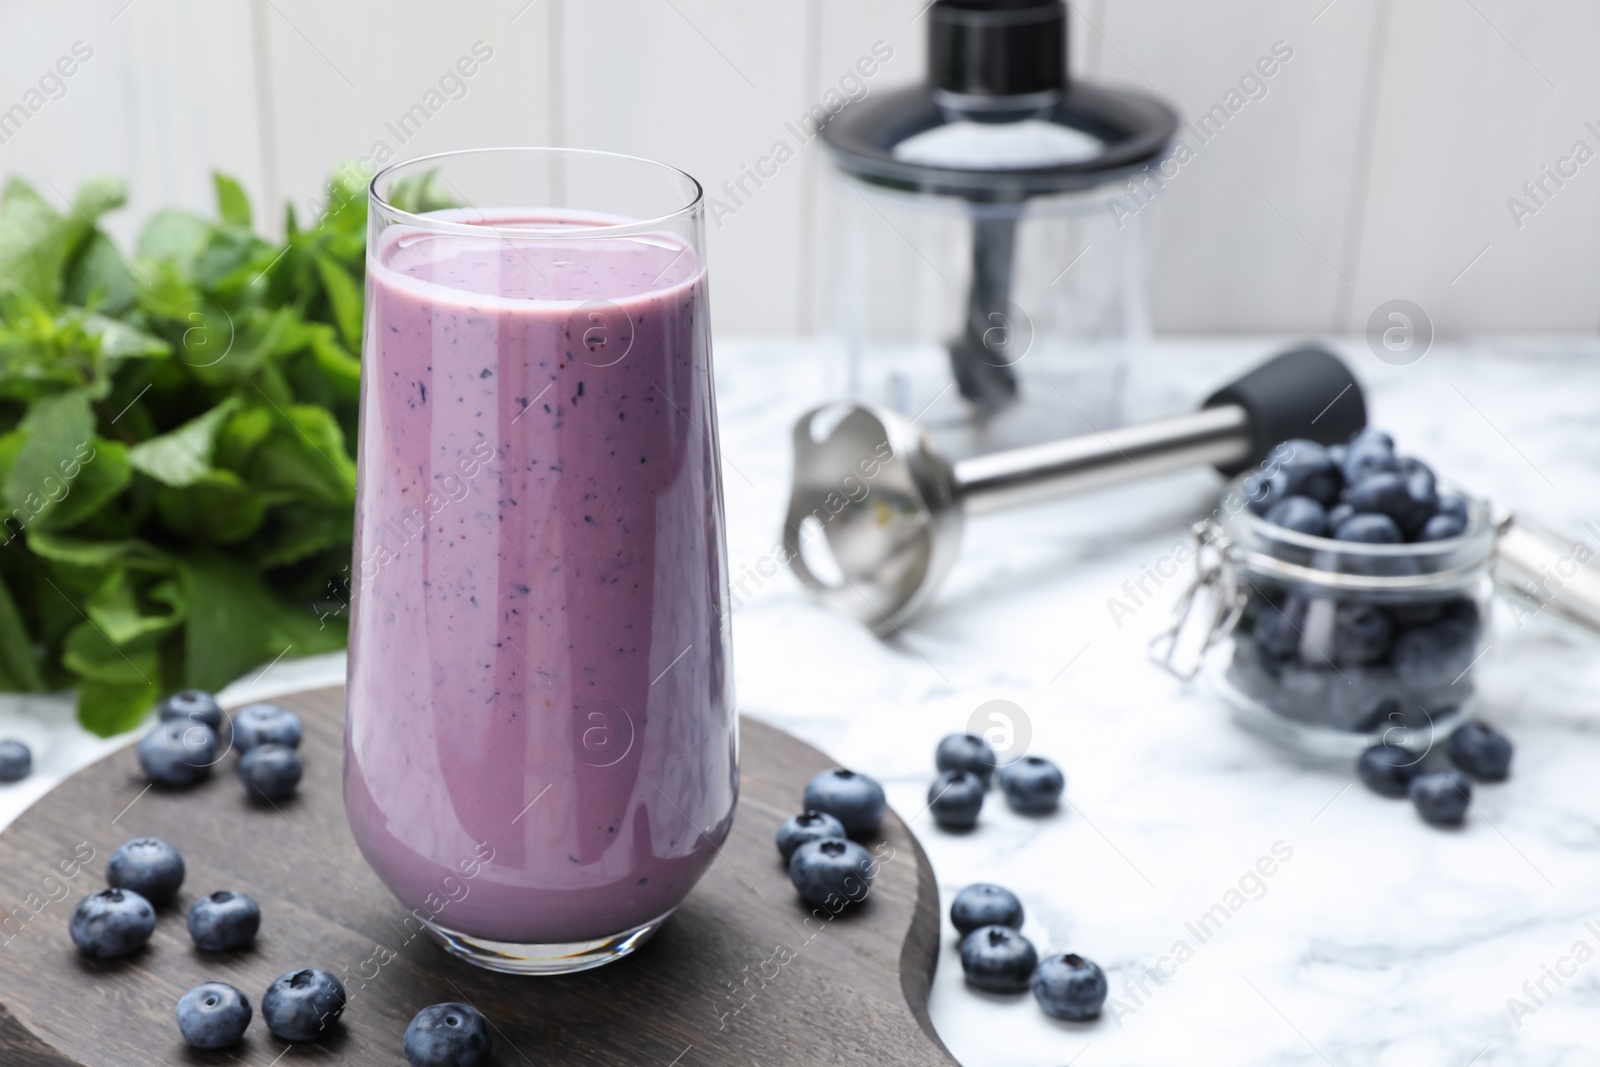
(176, 427)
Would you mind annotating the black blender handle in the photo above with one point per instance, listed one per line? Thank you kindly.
(1306, 392)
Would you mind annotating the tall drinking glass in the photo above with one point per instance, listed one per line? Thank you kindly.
(541, 749)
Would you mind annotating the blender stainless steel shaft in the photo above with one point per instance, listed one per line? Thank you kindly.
(891, 508)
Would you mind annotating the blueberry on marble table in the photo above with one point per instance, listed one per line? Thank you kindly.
(178, 752)
(1299, 513)
(16, 761)
(1369, 527)
(856, 800)
(1033, 785)
(266, 724)
(303, 1004)
(1070, 987)
(997, 959)
(1388, 770)
(270, 771)
(1442, 798)
(197, 705)
(149, 866)
(214, 1015)
(112, 923)
(831, 871)
(448, 1035)
(982, 904)
(966, 752)
(808, 826)
(955, 798)
(1481, 751)
(224, 921)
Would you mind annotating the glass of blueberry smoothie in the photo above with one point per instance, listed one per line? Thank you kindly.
(541, 748)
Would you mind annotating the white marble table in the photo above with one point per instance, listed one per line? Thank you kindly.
(1377, 941)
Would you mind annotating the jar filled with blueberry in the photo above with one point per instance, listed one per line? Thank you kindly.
(1362, 589)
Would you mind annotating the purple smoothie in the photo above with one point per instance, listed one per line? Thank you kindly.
(541, 744)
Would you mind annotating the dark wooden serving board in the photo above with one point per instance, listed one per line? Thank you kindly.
(713, 986)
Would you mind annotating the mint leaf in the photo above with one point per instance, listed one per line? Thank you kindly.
(35, 243)
(78, 552)
(100, 276)
(104, 474)
(344, 297)
(174, 237)
(57, 435)
(115, 609)
(229, 609)
(183, 456)
(232, 203)
(89, 652)
(107, 709)
(218, 508)
(17, 656)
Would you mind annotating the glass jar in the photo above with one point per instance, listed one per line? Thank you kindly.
(1340, 645)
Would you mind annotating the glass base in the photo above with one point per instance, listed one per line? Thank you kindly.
(509, 958)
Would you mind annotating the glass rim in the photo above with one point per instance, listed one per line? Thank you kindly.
(432, 222)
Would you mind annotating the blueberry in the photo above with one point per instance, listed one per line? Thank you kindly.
(1442, 797)
(1442, 527)
(955, 798)
(1070, 987)
(1454, 504)
(213, 1015)
(266, 724)
(1032, 785)
(224, 921)
(1361, 634)
(1368, 455)
(985, 905)
(829, 870)
(1337, 454)
(1299, 513)
(16, 761)
(1388, 770)
(148, 866)
(300, 1005)
(1308, 471)
(1261, 490)
(998, 959)
(1336, 516)
(111, 923)
(196, 705)
(1369, 528)
(1481, 751)
(1372, 436)
(1381, 714)
(854, 799)
(270, 771)
(1423, 489)
(1278, 630)
(966, 752)
(1435, 654)
(448, 1035)
(811, 826)
(1384, 493)
(178, 752)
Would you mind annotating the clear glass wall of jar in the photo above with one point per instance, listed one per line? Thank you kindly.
(1340, 645)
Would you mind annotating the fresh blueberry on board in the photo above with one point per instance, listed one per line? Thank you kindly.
(149, 866)
(997, 959)
(829, 870)
(856, 800)
(955, 798)
(213, 1015)
(1032, 785)
(224, 921)
(270, 771)
(1369, 528)
(808, 826)
(1388, 770)
(266, 724)
(1361, 634)
(1070, 987)
(1442, 527)
(197, 705)
(301, 1005)
(966, 752)
(1299, 513)
(1442, 797)
(983, 904)
(178, 752)
(448, 1035)
(1481, 751)
(16, 761)
(112, 923)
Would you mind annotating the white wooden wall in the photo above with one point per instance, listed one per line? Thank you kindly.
(1378, 166)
